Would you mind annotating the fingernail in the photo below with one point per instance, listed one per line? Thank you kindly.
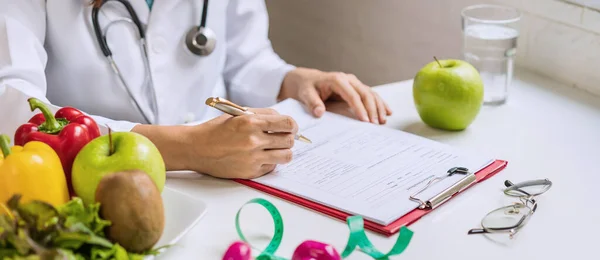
(374, 120)
(365, 118)
(319, 110)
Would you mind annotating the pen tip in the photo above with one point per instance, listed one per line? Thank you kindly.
(304, 139)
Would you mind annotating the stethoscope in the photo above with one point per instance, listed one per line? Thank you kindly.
(200, 40)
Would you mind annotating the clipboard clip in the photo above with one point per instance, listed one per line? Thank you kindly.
(447, 193)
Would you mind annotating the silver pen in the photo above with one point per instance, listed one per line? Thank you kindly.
(233, 109)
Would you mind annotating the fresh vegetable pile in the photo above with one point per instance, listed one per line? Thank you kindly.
(70, 231)
(68, 192)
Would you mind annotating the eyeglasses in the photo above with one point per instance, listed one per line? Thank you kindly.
(512, 218)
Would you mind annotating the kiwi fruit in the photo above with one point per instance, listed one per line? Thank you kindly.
(131, 201)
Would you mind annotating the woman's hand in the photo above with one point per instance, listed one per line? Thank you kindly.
(226, 146)
(313, 87)
(240, 147)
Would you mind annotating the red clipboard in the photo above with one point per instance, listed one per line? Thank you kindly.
(389, 230)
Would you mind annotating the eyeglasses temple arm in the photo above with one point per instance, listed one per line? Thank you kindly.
(477, 231)
(508, 183)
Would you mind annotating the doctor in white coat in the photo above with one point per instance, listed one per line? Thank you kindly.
(56, 50)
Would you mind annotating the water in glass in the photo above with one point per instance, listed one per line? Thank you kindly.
(491, 49)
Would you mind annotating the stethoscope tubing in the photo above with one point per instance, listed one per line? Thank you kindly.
(204, 14)
(101, 37)
(201, 49)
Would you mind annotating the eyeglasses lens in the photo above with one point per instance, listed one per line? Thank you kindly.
(506, 217)
(533, 188)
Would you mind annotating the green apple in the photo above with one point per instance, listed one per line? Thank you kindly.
(448, 94)
(115, 152)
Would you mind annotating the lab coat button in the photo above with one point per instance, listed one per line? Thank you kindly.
(158, 45)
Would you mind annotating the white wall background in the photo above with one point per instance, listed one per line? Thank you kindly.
(382, 41)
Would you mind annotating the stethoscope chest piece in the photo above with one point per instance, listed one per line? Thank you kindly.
(201, 41)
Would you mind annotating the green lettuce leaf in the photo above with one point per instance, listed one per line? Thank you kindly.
(120, 253)
(7, 227)
(41, 221)
(29, 257)
(42, 214)
(54, 254)
(68, 255)
(13, 202)
(133, 256)
(19, 242)
(117, 252)
(75, 212)
(74, 240)
(7, 252)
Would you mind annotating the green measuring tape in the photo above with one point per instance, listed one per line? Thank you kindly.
(358, 237)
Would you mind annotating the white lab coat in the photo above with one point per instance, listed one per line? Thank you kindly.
(48, 50)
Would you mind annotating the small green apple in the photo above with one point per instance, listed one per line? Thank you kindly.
(448, 94)
(115, 152)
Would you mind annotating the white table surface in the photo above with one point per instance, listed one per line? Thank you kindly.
(546, 130)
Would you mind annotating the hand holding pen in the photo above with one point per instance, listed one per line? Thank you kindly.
(233, 109)
(238, 147)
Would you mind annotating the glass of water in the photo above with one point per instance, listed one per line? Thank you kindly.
(490, 34)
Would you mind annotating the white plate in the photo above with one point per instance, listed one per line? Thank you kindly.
(182, 213)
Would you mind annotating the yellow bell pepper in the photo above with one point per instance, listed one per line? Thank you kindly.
(34, 171)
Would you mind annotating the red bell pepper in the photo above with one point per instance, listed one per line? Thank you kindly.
(66, 132)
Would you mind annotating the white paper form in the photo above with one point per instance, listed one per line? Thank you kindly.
(361, 168)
